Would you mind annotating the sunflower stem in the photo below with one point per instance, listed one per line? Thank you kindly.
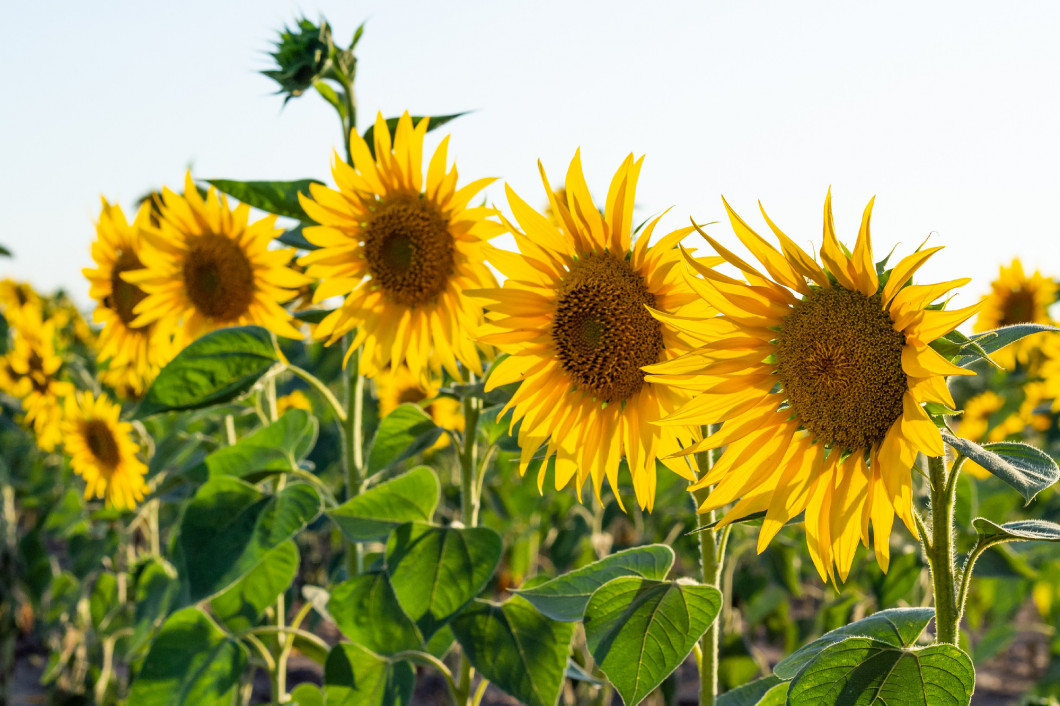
(353, 443)
(712, 559)
(470, 489)
(940, 552)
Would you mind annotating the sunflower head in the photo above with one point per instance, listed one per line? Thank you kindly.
(573, 317)
(819, 373)
(102, 451)
(402, 248)
(1017, 298)
(207, 266)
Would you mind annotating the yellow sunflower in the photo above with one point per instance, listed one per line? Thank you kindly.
(15, 295)
(1048, 369)
(206, 267)
(134, 353)
(102, 451)
(573, 317)
(401, 249)
(1016, 298)
(819, 375)
(398, 385)
(293, 400)
(32, 374)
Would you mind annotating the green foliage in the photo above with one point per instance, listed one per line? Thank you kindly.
(276, 448)
(367, 611)
(410, 497)
(279, 197)
(1019, 531)
(294, 238)
(242, 605)
(391, 123)
(639, 630)
(1025, 468)
(356, 676)
(217, 368)
(517, 648)
(403, 433)
(230, 527)
(767, 691)
(565, 597)
(191, 661)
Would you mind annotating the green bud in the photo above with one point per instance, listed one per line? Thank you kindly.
(303, 56)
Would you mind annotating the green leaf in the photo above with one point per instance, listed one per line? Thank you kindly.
(895, 626)
(516, 648)
(104, 597)
(575, 672)
(861, 671)
(5, 252)
(356, 676)
(294, 238)
(639, 630)
(230, 526)
(157, 589)
(367, 611)
(436, 571)
(565, 597)
(216, 368)
(1025, 468)
(241, 606)
(279, 197)
(410, 497)
(307, 694)
(191, 661)
(991, 341)
(276, 448)
(767, 691)
(1019, 531)
(403, 433)
(391, 123)
(894, 586)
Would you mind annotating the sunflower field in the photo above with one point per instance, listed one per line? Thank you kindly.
(323, 442)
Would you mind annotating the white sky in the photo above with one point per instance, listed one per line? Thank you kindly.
(948, 112)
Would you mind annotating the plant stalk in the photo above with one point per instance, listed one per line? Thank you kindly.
(712, 560)
(353, 446)
(470, 501)
(940, 552)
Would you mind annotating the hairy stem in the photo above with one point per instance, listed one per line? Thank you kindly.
(940, 552)
(353, 446)
(470, 500)
(712, 560)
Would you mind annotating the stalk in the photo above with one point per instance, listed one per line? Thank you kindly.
(940, 552)
(353, 446)
(470, 501)
(712, 560)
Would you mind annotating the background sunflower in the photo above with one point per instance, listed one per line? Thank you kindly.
(102, 451)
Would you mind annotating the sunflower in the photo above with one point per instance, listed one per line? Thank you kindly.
(1048, 369)
(1016, 298)
(32, 369)
(102, 451)
(819, 375)
(573, 317)
(134, 353)
(402, 249)
(398, 385)
(15, 295)
(296, 399)
(206, 267)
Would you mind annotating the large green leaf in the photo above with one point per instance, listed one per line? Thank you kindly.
(767, 691)
(516, 648)
(216, 368)
(565, 597)
(860, 671)
(403, 433)
(356, 676)
(240, 607)
(436, 571)
(279, 197)
(367, 611)
(276, 448)
(157, 590)
(191, 661)
(230, 526)
(391, 123)
(1025, 468)
(410, 497)
(307, 694)
(990, 341)
(899, 627)
(1018, 531)
(639, 630)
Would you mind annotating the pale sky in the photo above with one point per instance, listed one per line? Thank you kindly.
(948, 112)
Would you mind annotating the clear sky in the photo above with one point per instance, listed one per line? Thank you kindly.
(948, 112)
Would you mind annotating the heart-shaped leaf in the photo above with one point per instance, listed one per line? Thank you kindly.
(899, 627)
(860, 671)
(276, 448)
(240, 607)
(356, 676)
(410, 497)
(367, 611)
(230, 526)
(1025, 468)
(436, 571)
(216, 368)
(516, 648)
(565, 597)
(403, 433)
(191, 661)
(639, 630)
(279, 197)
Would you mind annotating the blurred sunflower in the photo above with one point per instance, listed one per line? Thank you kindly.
(206, 267)
(135, 352)
(293, 400)
(396, 386)
(1016, 298)
(15, 295)
(819, 375)
(573, 316)
(102, 451)
(981, 423)
(32, 374)
(1049, 369)
(402, 250)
